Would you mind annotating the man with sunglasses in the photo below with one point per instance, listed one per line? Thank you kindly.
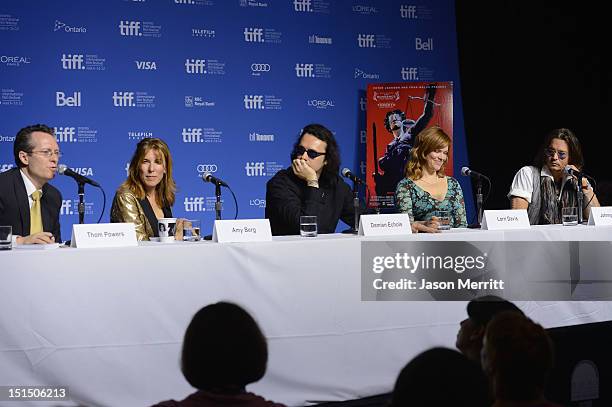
(311, 186)
(545, 188)
(27, 202)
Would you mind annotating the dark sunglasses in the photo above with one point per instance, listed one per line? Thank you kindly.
(300, 150)
(550, 152)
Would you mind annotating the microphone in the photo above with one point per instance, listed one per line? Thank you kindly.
(466, 172)
(570, 171)
(208, 177)
(348, 174)
(64, 170)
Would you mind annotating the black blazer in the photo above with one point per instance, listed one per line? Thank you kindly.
(15, 207)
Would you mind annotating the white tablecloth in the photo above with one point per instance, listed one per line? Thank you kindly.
(108, 323)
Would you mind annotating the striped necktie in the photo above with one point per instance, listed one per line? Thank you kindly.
(35, 216)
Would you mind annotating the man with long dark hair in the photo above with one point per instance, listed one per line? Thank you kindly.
(311, 186)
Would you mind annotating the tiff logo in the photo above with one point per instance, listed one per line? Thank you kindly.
(253, 34)
(130, 28)
(195, 65)
(304, 70)
(192, 135)
(254, 169)
(72, 61)
(66, 208)
(409, 74)
(65, 134)
(6, 167)
(366, 41)
(421, 45)
(408, 11)
(62, 100)
(362, 136)
(123, 99)
(253, 102)
(194, 204)
(302, 5)
(362, 104)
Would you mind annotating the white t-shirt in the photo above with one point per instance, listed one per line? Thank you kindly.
(522, 185)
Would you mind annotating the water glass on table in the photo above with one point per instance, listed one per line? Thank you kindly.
(191, 231)
(569, 216)
(6, 237)
(308, 226)
(443, 218)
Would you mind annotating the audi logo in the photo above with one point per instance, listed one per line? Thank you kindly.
(202, 168)
(260, 67)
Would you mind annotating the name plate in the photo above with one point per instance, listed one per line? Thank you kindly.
(242, 230)
(505, 219)
(600, 216)
(384, 225)
(103, 235)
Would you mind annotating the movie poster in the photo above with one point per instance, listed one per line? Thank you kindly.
(396, 113)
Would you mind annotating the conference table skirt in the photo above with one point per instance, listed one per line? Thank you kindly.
(108, 323)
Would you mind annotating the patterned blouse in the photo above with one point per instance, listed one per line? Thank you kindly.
(420, 205)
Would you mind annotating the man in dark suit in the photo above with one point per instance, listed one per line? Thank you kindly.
(27, 202)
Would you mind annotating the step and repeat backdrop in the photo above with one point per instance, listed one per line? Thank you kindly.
(227, 84)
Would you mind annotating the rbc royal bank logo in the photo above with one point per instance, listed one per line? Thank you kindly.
(194, 204)
(61, 100)
(253, 102)
(302, 5)
(73, 61)
(408, 11)
(304, 70)
(255, 169)
(253, 34)
(123, 99)
(130, 28)
(366, 41)
(192, 135)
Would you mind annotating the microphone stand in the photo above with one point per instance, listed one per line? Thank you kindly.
(81, 192)
(479, 204)
(218, 202)
(579, 198)
(355, 229)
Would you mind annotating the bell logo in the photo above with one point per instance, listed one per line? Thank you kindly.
(62, 100)
(66, 208)
(192, 135)
(302, 5)
(123, 99)
(304, 70)
(253, 34)
(65, 134)
(130, 28)
(409, 74)
(408, 11)
(146, 65)
(421, 45)
(253, 102)
(72, 61)
(366, 41)
(195, 65)
(194, 204)
(254, 169)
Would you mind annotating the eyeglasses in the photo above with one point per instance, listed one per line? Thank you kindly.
(47, 153)
(550, 152)
(300, 150)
